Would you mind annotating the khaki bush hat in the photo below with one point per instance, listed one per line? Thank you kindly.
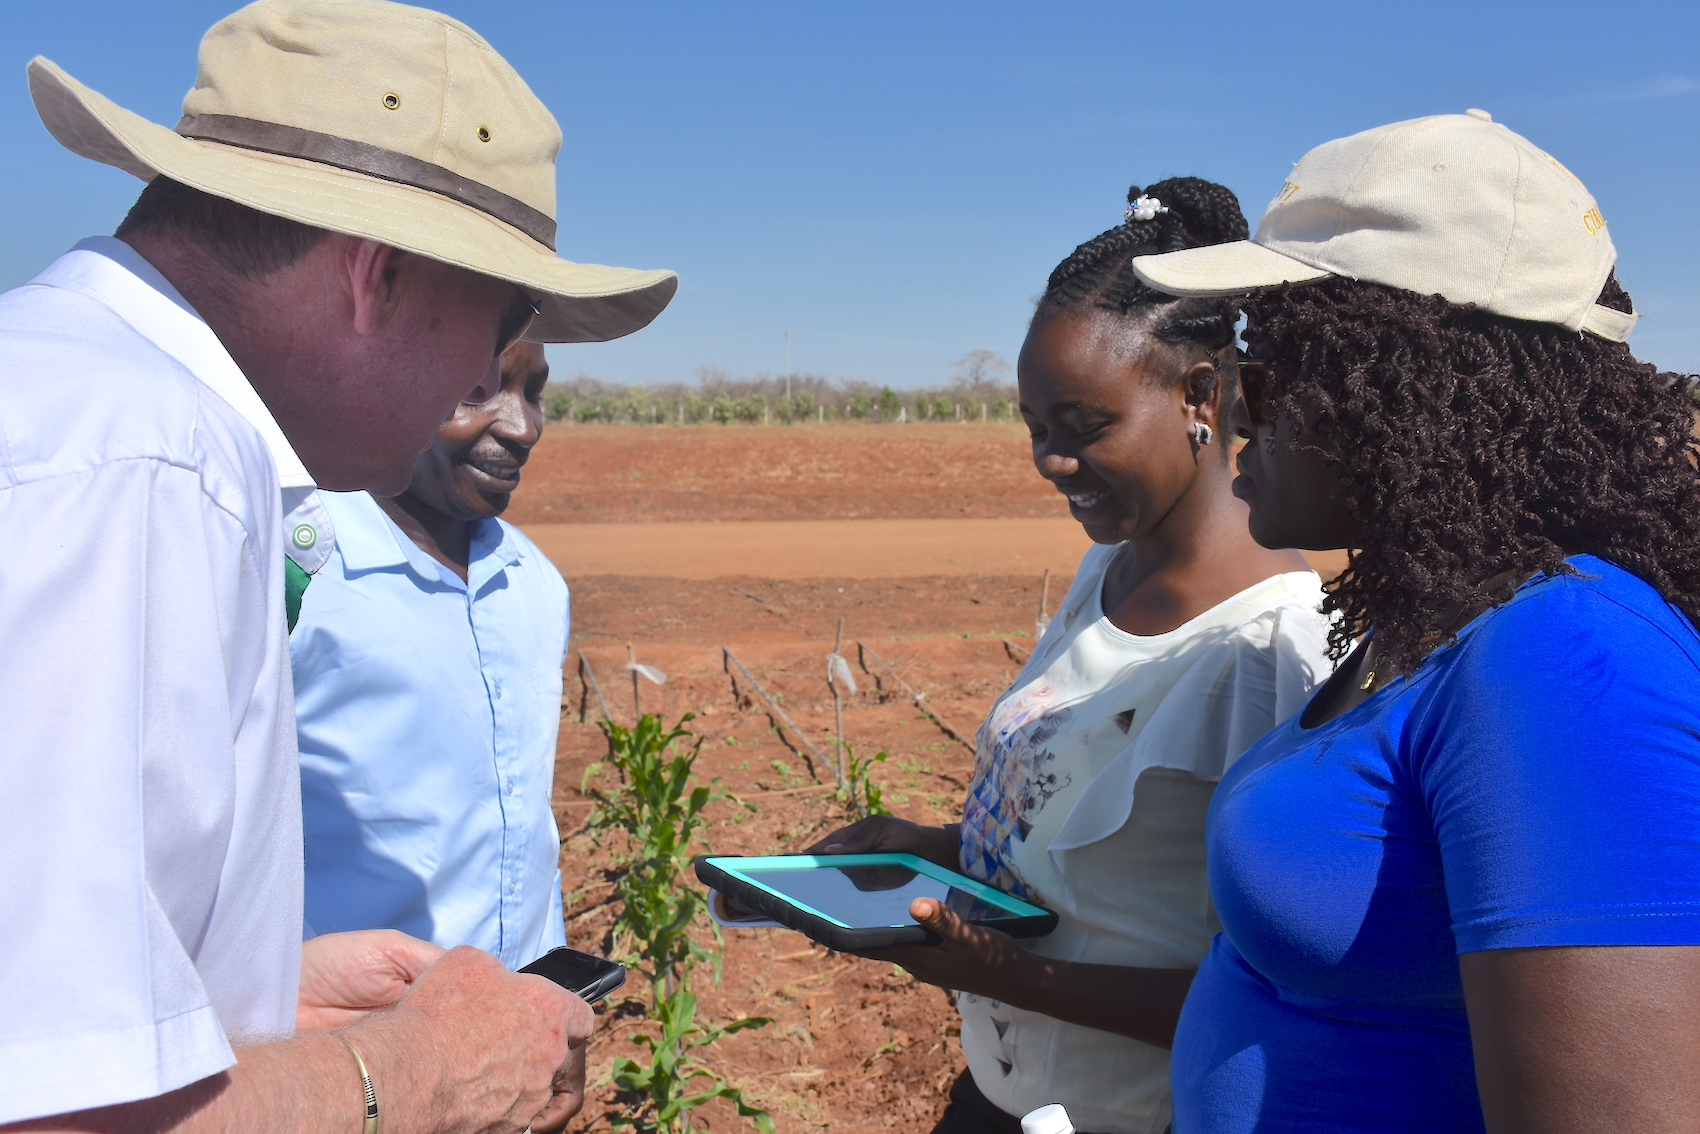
(377, 120)
(1454, 205)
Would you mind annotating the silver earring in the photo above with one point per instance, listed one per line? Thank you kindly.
(1202, 433)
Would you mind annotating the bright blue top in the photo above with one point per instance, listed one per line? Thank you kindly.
(427, 710)
(1536, 783)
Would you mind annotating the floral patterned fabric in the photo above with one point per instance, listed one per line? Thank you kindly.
(1092, 777)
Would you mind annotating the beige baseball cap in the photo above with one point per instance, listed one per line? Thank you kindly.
(377, 120)
(1455, 205)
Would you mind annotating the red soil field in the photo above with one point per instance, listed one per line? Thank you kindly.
(855, 1046)
(631, 474)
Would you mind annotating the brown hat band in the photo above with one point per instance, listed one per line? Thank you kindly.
(374, 161)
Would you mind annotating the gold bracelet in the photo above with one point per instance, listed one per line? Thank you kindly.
(370, 1126)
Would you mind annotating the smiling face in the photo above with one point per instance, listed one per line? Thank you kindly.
(1287, 477)
(438, 354)
(1111, 413)
(473, 465)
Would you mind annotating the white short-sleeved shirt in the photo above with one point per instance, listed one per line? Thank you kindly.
(1093, 774)
(427, 709)
(149, 808)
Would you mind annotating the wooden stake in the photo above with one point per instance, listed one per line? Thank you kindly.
(838, 702)
(588, 676)
(637, 709)
(773, 705)
(950, 730)
(1044, 592)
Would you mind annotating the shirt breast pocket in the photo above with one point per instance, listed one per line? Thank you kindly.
(548, 681)
(548, 686)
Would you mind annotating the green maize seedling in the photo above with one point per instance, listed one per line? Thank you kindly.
(672, 1083)
(658, 809)
(859, 794)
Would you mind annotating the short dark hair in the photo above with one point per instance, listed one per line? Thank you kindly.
(1099, 276)
(244, 241)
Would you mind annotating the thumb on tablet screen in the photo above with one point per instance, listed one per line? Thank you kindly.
(935, 916)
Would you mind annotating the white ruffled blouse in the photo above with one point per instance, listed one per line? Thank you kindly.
(1093, 774)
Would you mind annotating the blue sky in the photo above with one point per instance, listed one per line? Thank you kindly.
(892, 182)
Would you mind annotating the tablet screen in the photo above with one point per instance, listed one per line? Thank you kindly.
(862, 897)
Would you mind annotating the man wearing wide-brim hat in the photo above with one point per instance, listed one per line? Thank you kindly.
(353, 218)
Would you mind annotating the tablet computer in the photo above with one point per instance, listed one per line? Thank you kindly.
(857, 902)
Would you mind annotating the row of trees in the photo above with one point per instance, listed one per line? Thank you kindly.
(978, 391)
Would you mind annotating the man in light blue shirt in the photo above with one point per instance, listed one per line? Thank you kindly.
(427, 665)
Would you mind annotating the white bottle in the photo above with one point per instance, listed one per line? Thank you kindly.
(1052, 1119)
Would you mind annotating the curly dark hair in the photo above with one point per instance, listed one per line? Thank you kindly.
(1475, 448)
(1098, 275)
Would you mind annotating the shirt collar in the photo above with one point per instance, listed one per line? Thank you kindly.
(375, 542)
(380, 544)
(493, 550)
(109, 270)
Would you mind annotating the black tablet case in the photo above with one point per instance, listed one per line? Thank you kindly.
(838, 937)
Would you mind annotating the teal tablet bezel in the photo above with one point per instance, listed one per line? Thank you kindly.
(1021, 918)
(1013, 906)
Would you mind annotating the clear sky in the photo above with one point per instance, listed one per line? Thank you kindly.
(892, 182)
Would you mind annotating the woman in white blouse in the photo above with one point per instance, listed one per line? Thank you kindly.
(1179, 644)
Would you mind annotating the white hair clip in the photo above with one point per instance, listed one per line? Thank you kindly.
(1146, 208)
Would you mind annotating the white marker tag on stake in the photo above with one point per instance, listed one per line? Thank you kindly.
(648, 671)
(840, 671)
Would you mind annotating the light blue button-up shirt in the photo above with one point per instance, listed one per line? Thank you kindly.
(427, 710)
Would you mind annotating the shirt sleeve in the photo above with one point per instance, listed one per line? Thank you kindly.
(1241, 689)
(116, 689)
(1236, 691)
(1559, 761)
(1273, 676)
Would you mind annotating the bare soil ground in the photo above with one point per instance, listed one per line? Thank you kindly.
(855, 1046)
(810, 549)
(632, 474)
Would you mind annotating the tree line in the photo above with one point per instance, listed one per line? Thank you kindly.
(976, 392)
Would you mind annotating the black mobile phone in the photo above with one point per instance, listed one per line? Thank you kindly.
(584, 974)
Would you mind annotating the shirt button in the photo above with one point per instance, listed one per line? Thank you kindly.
(498, 690)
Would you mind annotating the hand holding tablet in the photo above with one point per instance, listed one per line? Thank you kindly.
(860, 903)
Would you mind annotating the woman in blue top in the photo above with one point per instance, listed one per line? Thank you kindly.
(1461, 889)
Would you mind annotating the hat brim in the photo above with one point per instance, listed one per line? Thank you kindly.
(579, 303)
(1223, 269)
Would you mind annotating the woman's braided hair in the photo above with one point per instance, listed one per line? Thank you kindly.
(1471, 446)
(1099, 274)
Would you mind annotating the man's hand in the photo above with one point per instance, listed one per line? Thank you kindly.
(345, 976)
(469, 1048)
(568, 1095)
(507, 1050)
